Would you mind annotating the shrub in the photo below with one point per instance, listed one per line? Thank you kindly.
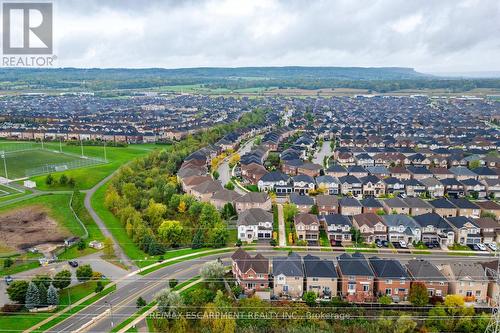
(84, 273)
(11, 308)
(8, 262)
(172, 283)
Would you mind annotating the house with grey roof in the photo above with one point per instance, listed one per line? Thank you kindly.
(391, 279)
(255, 224)
(466, 230)
(288, 276)
(402, 227)
(423, 271)
(467, 279)
(356, 277)
(320, 276)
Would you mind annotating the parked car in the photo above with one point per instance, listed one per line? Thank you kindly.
(385, 243)
(492, 246)
(73, 263)
(403, 244)
(378, 242)
(474, 247)
(482, 247)
(8, 279)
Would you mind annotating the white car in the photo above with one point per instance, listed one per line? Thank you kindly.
(481, 246)
(402, 243)
(492, 246)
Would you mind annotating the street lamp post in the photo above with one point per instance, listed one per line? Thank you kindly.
(111, 312)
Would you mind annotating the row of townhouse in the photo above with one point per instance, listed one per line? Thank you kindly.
(426, 228)
(356, 278)
(360, 182)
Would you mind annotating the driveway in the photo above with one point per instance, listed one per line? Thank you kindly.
(281, 224)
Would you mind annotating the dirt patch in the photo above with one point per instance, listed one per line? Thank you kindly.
(29, 226)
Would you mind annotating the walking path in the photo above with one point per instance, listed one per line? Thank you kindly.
(281, 224)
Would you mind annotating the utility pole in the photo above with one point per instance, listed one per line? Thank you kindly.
(494, 325)
(5, 165)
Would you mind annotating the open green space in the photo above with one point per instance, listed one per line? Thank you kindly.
(87, 177)
(21, 321)
(20, 163)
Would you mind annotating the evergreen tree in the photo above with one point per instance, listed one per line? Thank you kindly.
(197, 239)
(32, 296)
(52, 296)
(42, 295)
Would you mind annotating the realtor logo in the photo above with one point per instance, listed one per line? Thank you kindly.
(27, 28)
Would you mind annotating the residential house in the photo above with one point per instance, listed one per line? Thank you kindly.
(473, 187)
(302, 184)
(254, 224)
(253, 200)
(371, 205)
(467, 279)
(490, 229)
(250, 272)
(433, 187)
(310, 169)
(491, 271)
(484, 173)
(391, 279)
(466, 230)
(394, 185)
(321, 276)
(444, 207)
(327, 204)
(373, 186)
(303, 202)
(328, 184)
(492, 187)
(204, 191)
(418, 206)
(337, 227)
(425, 272)
(356, 277)
(350, 185)
(402, 227)
(489, 207)
(221, 198)
(252, 172)
(400, 173)
(435, 228)
(462, 173)
(349, 206)
(288, 276)
(441, 173)
(357, 171)
(419, 172)
(466, 207)
(453, 188)
(395, 206)
(276, 181)
(307, 227)
(371, 226)
(336, 170)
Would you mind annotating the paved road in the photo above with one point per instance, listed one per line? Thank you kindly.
(118, 250)
(324, 151)
(123, 300)
(224, 169)
(281, 225)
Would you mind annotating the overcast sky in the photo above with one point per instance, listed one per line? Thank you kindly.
(431, 36)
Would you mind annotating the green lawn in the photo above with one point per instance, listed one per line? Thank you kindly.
(21, 321)
(89, 176)
(323, 239)
(117, 229)
(18, 163)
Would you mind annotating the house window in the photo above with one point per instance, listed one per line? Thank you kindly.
(351, 287)
(366, 288)
(315, 279)
(388, 281)
(352, 278)
(468, 293)
(388, 291)
(439, 292)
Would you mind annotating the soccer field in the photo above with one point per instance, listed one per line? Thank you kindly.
(37, 161)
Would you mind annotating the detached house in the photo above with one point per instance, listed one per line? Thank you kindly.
(466, 208)
(418, 206)
(427, 273)
(371, 227)
(321, 276)
(303, 202)
(373, 186)
(251, 273)
(371, 205)
(490, 207)
(433, 187)
(466, 230)
(276, 181)
(327, 204)
(253, 200)
(329, 184)
(350, 185)
(307, 227)
(349, 206)
(444, 207)
(467, 279)
(395, 206)
(490, 229)
(337, 227)
(356, 277)
(402, 227)
(391, 279)
(435, 229)
(254, 224)
(288, 276)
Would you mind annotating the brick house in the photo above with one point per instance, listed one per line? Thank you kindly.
(327, 204)
(391, 278)
(320, 276)
(356, 278)
(425, 272)
(307, 227)
(371, 226)
(251, 273)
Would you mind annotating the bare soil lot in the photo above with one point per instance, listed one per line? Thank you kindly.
(30, 226)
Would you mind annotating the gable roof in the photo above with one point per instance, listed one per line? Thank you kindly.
(388, 268)
(336, 219)
(290, 265)
(253, 216)
(316, 267)
(355, 265)
(259, 264)
(422, 269)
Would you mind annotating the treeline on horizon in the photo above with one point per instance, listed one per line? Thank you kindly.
(373, 79)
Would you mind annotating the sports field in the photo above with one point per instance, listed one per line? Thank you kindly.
(26, 163)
